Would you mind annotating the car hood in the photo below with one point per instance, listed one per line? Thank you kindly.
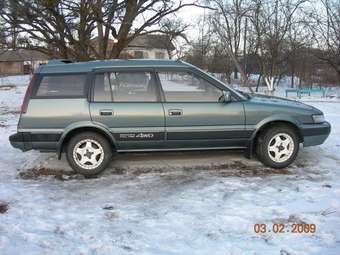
(279, 101)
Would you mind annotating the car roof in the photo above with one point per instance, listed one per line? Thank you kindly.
(66, 66)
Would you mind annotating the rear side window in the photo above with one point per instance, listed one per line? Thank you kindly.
(72, 85)
(102, 88)
(125, 87)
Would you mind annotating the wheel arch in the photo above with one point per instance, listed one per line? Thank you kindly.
(275, 123)
(264, 125)
(83, 127)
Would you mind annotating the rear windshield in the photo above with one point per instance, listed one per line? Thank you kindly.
(71, 85)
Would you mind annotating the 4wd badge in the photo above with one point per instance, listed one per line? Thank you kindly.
(136, 136)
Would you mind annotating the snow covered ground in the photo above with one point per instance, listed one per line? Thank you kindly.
(170, 203)
(18, 80)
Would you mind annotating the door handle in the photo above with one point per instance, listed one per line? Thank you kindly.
(106, 112)
(175, 112)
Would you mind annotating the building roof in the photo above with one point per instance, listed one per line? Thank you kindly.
(20, 55)
(149, 41)
(59, 66)
(152, 41)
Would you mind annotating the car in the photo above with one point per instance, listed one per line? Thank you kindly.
(92, 110)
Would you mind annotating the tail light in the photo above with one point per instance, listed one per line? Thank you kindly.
(27, 96)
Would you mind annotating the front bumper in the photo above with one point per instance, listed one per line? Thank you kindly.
(315, 134)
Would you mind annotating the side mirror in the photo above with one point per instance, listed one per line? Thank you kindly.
(226, 97)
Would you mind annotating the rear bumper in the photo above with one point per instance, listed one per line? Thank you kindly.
(26, 141)
(315, 134)
(21, 141)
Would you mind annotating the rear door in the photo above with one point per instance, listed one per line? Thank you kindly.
(194, 115)
(128, 103)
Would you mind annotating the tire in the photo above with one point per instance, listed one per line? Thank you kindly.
(278, 146)
(88, 153)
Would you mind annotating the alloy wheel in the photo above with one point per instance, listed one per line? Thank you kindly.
(281, 147)
(88, 154)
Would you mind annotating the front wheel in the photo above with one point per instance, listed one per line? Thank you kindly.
(88, 153)
(277, 147)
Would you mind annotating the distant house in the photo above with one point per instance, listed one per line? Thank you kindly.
(24, 61)
(20, 61)
(153, 46)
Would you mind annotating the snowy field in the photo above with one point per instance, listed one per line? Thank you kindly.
(18, 80)
(170, 203)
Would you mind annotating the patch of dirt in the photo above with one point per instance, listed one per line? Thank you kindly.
(111, 216)
(2, 125)
(108, 207)
(145, 170)
(235, 168)
(291, 219)
(300, 164)
(327, 211)
(284, 252)
(127, 248)
(7, 87)
(3, 207)
(60, 174)
(253, 172)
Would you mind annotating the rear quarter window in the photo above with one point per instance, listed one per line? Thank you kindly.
(68, 85)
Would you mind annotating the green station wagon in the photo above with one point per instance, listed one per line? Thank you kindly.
(90, 110)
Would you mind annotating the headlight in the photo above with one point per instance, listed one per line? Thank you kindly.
(318, 118)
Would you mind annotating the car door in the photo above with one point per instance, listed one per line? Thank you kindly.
(127, 102)
(194, 115)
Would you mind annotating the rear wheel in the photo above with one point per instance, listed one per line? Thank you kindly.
(89, 153)
(277, 147)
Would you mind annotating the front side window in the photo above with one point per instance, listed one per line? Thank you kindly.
(125, 87)
(72, 85)
(179, 86)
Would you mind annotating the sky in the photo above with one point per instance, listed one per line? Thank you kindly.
(190, 15)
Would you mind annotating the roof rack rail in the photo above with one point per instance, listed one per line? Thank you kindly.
(59, 61)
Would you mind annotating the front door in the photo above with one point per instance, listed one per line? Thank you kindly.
(127, 102)
(194, 115)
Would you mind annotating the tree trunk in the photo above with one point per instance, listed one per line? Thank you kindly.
(270, 84)
(227, 75)
(239, 69)
(235, 73)
(117, 49)
(98, 12)
(258, 82)
(292, 81)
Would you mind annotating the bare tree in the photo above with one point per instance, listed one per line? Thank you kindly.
(272, 21)
(175, 30)
(220, 62)
(3, 39)
(66, 27)
(296, 43)
(202, 46)
(326, 29)
(229, 23)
